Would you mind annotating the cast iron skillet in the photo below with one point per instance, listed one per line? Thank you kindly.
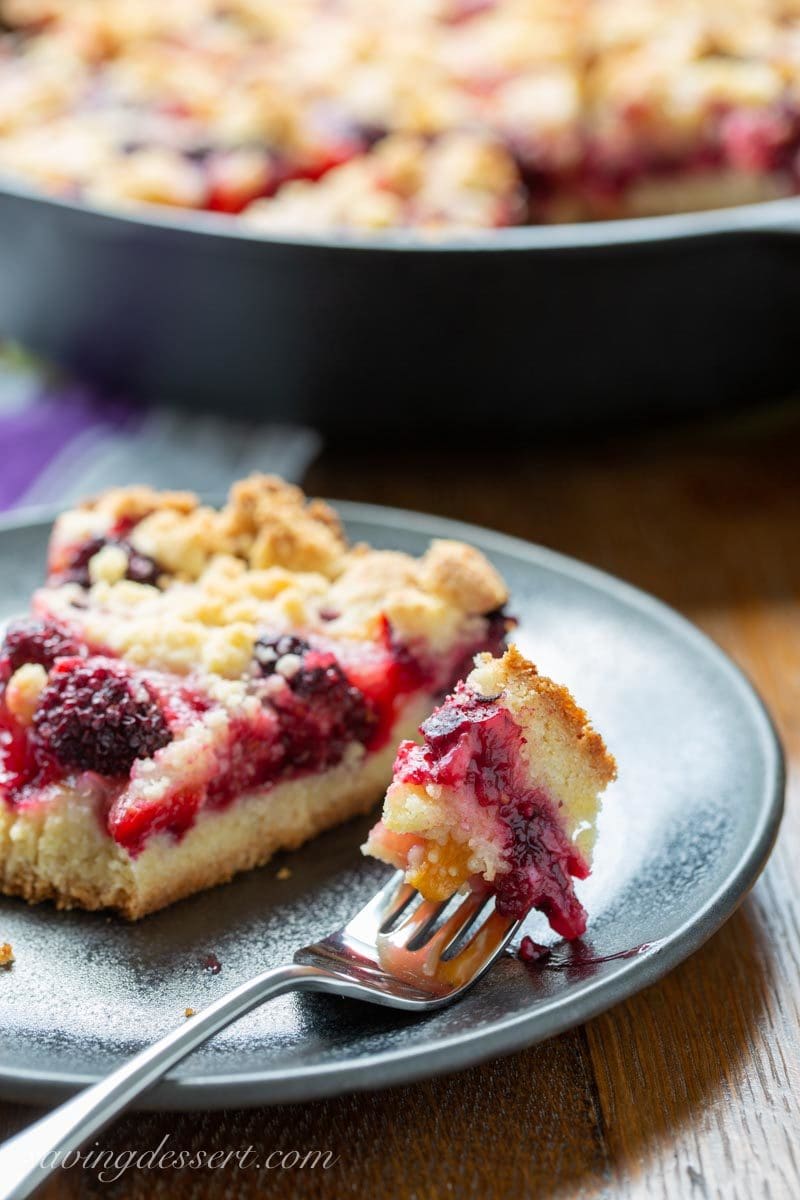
(513, 330)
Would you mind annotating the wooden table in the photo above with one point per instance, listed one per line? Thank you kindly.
(692, 1088)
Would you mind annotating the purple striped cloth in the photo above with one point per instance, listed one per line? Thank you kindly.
(62, 440)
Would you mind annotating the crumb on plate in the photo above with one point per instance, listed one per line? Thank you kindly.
(530, 951)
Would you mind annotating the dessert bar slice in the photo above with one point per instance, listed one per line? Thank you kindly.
(194, 688)
(503, 794)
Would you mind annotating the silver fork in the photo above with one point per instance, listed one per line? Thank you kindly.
(400, 951)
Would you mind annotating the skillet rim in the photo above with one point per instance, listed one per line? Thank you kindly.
(780, 217)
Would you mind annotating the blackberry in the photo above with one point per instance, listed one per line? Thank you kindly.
(93, 716)
(335, 700)
(31, 640)
(322, 712)
(326, 713)
(141, 567)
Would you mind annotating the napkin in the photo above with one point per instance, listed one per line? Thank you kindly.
(61, 439)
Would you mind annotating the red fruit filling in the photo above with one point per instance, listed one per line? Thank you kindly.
(228, 192)
(472, 744)
(96, 714)
(498, 624)
(98, 717)
(757, 142)
(392, 670)
(308, 719)
(132, 824)
(24, 763)
(460, 11)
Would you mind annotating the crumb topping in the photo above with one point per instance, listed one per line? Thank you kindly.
(24, 690)
(108, 565)
(371, 114)
(268, 559)
(6, 954)
(265, 522)
(458, 573)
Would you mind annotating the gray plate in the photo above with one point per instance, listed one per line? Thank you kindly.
(684, 833)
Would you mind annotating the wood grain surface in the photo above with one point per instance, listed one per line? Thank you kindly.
(691, 1088)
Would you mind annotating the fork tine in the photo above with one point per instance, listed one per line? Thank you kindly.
(397, 905)
(378, 957)
(384, 906)
(405, 953)
(458, 922)
(486, 944)
(414, 927)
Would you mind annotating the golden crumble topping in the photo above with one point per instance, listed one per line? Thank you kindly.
(268, 559)
(23, 691)
(524, 690)
(272, 524)
(133, 503)
(372, 114)
(6, 954)
(458, 574)
(266, 522)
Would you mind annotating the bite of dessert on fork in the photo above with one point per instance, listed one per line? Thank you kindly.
(502, 794)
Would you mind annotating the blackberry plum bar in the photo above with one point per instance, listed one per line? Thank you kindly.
(194, 689)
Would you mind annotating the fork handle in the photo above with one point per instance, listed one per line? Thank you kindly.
(29, 1158)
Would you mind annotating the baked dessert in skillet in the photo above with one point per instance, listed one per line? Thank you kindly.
(502, 794)
(194, 689)
(440, 115)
